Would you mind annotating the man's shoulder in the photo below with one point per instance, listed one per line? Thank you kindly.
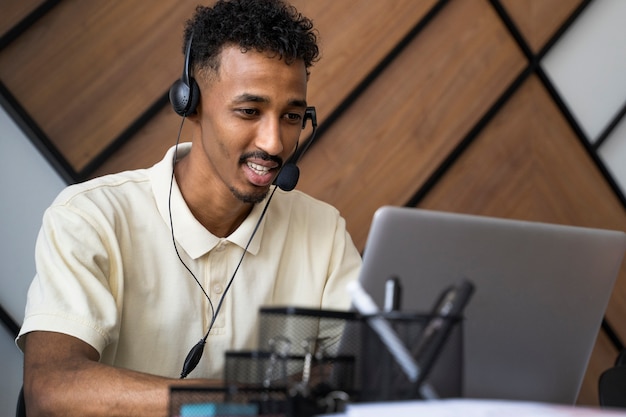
(126, 184)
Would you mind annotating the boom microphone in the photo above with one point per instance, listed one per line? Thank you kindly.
(288, 177)
(289, 174)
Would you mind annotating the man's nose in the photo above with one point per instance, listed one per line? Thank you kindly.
(270, 137)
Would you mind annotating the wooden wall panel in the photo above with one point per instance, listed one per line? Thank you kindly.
(13, 11)
(149, 145)
(546, 166)
(393, 138)
(354, 37)
(90, 68)
(539, 20)
(527, 164)
(350, 50)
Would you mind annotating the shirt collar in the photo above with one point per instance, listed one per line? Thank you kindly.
(188, 232)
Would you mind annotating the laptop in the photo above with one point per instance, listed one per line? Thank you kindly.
(541, 291)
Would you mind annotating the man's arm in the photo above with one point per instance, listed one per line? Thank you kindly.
(62, 377)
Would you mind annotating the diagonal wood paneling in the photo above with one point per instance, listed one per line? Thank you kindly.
(88, 69)
(539, 20)
(13, 11)
(528, 164)
(393, 138)
(354, 37)
(349, 53)
(148, 145)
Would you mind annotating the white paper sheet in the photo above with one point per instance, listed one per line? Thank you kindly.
(474, 408)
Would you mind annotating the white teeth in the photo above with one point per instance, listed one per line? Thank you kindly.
(259, 169)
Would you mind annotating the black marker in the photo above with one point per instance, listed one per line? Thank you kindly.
(446, 311)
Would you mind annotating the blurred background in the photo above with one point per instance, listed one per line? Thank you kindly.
(505, 108)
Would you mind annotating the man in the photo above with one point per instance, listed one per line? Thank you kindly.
(134, 268)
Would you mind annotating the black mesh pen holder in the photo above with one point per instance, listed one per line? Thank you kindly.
(381, 378)
(262, 369)
(320, 367)
(313, 362)
(313, 384)
(376, 374)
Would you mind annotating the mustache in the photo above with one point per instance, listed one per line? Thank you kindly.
(261, 155)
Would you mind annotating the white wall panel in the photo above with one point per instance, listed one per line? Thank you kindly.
(588, 65)
(613, 153)
(27, 184)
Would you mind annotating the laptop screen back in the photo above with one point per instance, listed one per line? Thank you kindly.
(541, 292)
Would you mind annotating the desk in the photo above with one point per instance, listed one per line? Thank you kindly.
(473, 408)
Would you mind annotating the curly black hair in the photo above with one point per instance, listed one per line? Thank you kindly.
(270, 26)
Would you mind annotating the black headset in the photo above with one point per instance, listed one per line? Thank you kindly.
(185, 93)
(185, 96)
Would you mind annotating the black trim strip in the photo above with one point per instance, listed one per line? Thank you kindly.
(9, 322)
(533, 58)
(563, 28)
(591, 151)
(45, 145)
(610, 127)
(36, 135)
(535, 61)
(617, 342)
(447, 163)
(571, 120)
(124, 137)
(23, 25)
(373, 75)
(515, 33)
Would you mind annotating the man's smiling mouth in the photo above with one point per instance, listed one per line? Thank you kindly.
(258, 169)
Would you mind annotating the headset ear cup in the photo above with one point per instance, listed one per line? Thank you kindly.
(184, 98)
(185, 93)
(194, 98)
(179, 97)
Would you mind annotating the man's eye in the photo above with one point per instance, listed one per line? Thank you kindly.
(294, 116)
(248, 112)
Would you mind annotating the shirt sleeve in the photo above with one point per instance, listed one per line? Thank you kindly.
(72, 292)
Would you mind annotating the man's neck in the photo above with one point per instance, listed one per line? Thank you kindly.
(218, 210)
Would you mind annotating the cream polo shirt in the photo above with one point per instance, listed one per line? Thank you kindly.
(108, 274)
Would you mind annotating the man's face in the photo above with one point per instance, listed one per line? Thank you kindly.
(251, 118)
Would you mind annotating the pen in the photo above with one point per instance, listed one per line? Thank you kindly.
(436, 332)
(366, 306)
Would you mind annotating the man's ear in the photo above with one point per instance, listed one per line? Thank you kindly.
(195, 116)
